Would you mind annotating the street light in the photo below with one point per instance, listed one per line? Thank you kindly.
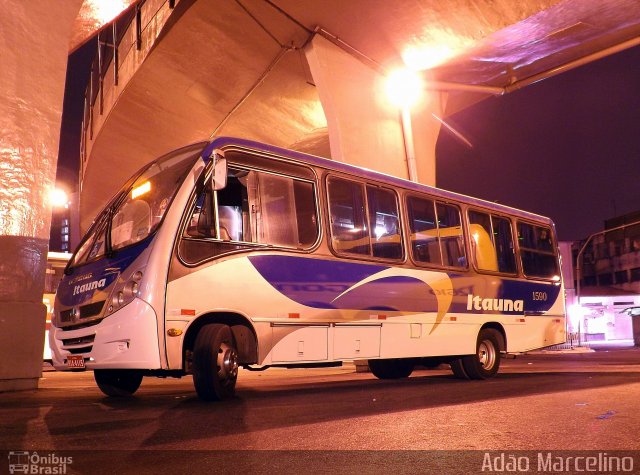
(404, 89)
(58, 198)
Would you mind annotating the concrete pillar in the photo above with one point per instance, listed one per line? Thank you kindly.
(34, 40)
(365, 129)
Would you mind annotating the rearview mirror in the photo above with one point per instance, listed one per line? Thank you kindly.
(219, 175)
(632, 311)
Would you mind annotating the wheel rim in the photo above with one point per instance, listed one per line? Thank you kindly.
(227, 363)
(487, 354)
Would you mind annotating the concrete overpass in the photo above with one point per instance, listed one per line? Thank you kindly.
(302, 74)
(310, 75)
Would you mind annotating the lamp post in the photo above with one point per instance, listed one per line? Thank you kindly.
(404, 89)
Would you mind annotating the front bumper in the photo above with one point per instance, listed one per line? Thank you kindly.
(127, 339)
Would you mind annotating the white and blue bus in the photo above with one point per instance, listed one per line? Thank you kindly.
(231, 254)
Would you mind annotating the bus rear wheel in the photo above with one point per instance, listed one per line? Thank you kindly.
(118, 382)
(215, 363)
(458, 368)
(486, 362)
(395, 368)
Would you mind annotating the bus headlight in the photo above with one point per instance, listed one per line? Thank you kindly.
(124, 294)
(131, 289)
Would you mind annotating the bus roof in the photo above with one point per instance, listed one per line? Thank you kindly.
(222, 142)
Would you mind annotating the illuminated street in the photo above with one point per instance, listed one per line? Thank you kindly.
(582, 401)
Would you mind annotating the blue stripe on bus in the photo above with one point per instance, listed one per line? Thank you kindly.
(327, 284)
(311, 282)
(71, 292)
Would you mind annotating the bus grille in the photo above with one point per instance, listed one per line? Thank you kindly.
(75, 346)
(86, 311)
(91, 310)
(66, 316)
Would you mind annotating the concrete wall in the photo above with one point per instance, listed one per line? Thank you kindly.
(34, 40)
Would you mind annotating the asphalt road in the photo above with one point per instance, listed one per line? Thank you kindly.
(311, 420)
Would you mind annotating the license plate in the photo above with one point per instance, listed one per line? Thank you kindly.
(75, 362)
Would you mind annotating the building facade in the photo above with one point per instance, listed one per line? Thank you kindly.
(609, 280)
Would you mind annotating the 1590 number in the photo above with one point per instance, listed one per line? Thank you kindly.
(540, 296)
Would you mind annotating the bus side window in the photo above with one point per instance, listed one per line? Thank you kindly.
(424, 231)
(492, 240)
(234, 217)
(537, 251)
(384, 223)
(368, 227)
(254, 208)
(288, 211)
(483, 249)
(503, 238)
(436, 233)
(349, 231)
(450, 233)
(200, 239)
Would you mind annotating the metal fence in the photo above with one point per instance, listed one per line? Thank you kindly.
(122, 46)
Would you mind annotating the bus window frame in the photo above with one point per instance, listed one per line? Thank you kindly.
(463, 227)
(203, 181)
(514, 237)
(364, 183)
(554, 252)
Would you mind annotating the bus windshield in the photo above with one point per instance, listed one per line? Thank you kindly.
(138, 208)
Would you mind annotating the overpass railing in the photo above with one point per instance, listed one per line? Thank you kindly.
(123, 45)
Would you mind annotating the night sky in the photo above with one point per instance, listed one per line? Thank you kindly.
(78, 71)
(567, 147)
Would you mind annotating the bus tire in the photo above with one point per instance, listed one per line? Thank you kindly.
(118, 382)
(458, 369)
(486, 362)
(215, 363)
(395, 368)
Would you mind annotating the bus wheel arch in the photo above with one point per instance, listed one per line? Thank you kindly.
(501, 334)
(244, 335)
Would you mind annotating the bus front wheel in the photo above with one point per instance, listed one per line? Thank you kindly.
(395, 368)
(118, 382)
(215, 363)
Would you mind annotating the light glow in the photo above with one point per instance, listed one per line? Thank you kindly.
(404, 88)
(576, 314)
(106, 10)
(426, 57)
(58, 198)
(141, 190)
(434, 47)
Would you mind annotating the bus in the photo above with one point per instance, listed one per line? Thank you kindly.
(231, 253)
